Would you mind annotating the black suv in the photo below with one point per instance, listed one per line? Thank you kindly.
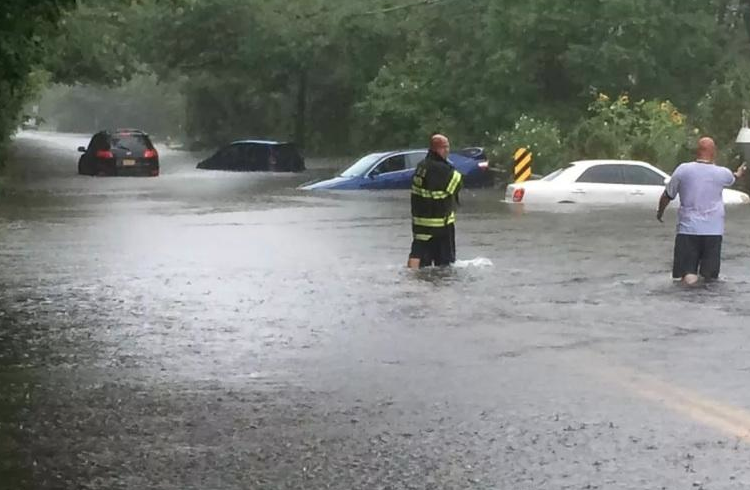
(120, 152)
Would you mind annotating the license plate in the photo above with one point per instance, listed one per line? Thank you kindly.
(128, 162)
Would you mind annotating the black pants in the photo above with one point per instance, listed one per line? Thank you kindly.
(697, 254)
(440, 250)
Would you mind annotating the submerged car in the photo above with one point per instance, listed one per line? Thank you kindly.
(395, 169)
(602, 182)
(256, 156)
(123, 152)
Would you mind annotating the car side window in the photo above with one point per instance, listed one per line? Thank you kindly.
(637, 175)
(392, 164)
(414, 159)
(99, 142)
(602, 174)
(256, 157)
(228, 155)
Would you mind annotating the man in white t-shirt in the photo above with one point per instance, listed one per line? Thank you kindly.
(700, 225)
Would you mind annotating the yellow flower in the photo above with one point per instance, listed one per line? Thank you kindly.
(677, 118)
(603, 97)
(624, 99)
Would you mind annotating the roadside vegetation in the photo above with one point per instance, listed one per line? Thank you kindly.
(582, 78)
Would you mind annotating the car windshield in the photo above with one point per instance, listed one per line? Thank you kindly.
(130, 141)
(362, 165)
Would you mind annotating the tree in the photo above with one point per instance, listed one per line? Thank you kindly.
(336, 75)
(25, 27)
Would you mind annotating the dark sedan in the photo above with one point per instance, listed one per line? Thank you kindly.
(256, 156)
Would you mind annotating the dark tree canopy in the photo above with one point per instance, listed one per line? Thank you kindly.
(344, 75)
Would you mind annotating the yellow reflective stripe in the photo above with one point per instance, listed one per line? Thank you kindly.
(422, 237)
(429, 194)
(453, 184)
(434, 222)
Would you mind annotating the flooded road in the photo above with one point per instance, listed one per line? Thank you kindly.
(209, 330)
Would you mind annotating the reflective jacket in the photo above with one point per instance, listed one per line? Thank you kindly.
(434, 193)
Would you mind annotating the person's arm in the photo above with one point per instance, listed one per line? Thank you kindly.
(664, 201)
(454, 183)
(459, 187)
(670, 192)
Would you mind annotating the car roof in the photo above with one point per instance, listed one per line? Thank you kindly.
(590, 163)
(380, 154)
(128, 130)
(396, 152)
(409, 150)
(259, 142)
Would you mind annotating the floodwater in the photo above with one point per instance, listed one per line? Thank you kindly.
(209, 330)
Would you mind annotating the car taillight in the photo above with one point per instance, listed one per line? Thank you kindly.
(104, 154)
(150, 154)
(518, 194)
(483, 165)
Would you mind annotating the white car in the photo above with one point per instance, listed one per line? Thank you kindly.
(602, 182)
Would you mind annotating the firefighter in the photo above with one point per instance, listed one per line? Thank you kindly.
(434, 196)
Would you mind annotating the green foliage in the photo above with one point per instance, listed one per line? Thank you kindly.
(653, 131)
(93, 44)
(339, 75)
(25, 26)
(718, 114)
(542, 136)
(288, 70)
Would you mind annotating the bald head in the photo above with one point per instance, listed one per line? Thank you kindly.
(440, 145)
(706, 150)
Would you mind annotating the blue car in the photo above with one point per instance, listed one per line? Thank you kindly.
(394, 170)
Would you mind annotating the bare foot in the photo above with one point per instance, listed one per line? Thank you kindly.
(690, 280)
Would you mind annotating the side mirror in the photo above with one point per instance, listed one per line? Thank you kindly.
(82, 149)
(373, 174)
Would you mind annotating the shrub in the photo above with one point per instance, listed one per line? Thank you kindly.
(718, 113)
(541, 136)
(654, 131)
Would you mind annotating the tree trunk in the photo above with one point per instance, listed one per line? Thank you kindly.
(300, 116)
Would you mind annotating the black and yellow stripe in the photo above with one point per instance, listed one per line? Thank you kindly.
(522, 167)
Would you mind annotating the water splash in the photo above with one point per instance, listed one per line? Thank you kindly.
(479, 262)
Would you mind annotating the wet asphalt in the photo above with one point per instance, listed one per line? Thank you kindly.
(209, 330)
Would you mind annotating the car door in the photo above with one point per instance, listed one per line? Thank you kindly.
(644, 185)
(227, 158)
(600, 184)
(392, 172)
(255, 158)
